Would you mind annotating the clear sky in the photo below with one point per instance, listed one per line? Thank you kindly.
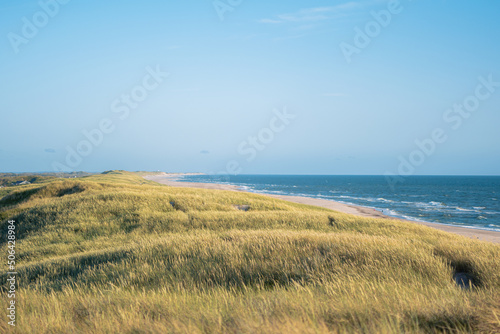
(286, 87)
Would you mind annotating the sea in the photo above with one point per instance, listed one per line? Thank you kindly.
(468, 201)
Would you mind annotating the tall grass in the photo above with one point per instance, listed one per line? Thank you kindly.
(115, 253)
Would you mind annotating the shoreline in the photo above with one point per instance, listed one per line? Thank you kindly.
(472, 233)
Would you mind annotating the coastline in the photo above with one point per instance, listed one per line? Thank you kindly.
(477, 234)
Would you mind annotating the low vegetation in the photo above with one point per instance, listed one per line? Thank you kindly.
(115, 253)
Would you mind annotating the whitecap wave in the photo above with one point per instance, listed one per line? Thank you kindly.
(462, 209)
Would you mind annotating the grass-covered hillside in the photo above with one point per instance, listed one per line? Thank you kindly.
(11, 179)
(114, 253)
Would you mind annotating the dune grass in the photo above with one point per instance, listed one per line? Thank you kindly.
(115, 253)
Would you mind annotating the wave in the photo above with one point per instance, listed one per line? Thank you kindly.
(462, 209)
(431, 205)
(390, 212)
(357, 198)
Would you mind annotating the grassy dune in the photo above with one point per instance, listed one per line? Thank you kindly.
(115, 253)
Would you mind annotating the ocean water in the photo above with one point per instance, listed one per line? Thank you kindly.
(470, 201)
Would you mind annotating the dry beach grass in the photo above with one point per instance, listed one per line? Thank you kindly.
(114, 253)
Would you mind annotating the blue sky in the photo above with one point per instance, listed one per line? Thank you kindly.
(229, 79)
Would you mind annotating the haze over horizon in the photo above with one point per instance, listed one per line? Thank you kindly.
(251, 87)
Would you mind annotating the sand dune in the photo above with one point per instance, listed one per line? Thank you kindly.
(483, 235)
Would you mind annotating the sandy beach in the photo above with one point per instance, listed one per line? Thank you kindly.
(483, 235)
